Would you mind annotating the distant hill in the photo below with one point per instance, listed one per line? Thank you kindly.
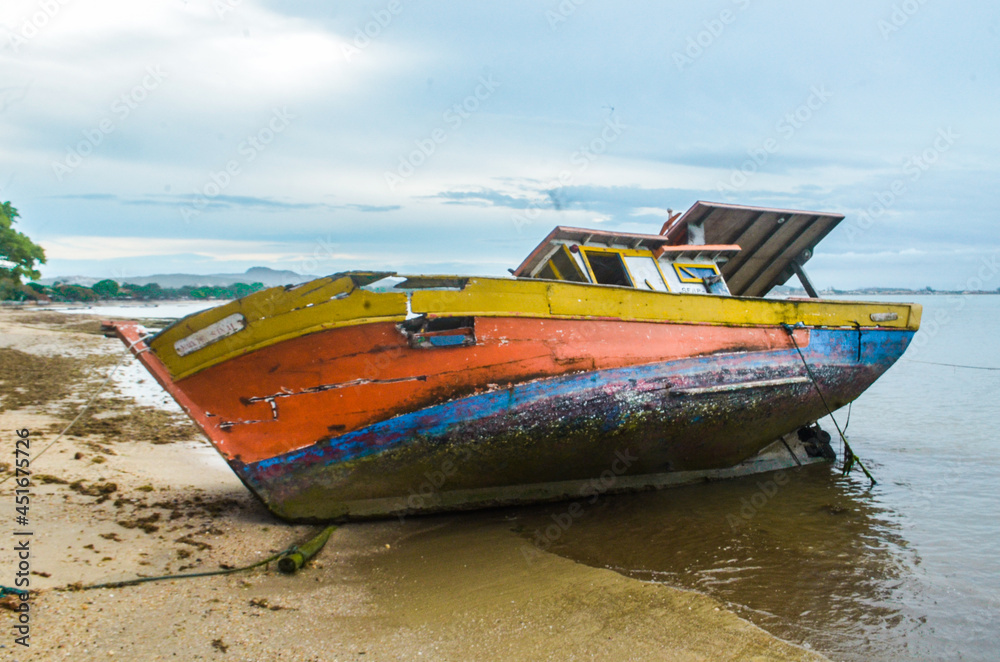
(267, 276)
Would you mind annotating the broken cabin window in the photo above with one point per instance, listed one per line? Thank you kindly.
(608, 268)
(547, 272)
(566, 267)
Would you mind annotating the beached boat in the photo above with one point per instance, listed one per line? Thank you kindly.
(609, 361)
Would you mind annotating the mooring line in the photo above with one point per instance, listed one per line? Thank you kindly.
(952, 365)
(289, 560)
(849, 456)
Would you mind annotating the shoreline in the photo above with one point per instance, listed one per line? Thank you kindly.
(137, 490)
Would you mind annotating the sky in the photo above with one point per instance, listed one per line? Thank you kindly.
(210, 136)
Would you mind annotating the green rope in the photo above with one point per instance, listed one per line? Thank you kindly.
(6, 590)
(315, 544)
(850, 459)
(158, 578)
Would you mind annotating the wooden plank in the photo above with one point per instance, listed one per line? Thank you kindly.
(765, 257)
(753, 237)
(806, 238)
(734, 225)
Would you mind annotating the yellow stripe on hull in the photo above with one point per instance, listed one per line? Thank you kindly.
(280, 314)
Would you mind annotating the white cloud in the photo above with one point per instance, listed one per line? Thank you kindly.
(108, 248)
(355, 118)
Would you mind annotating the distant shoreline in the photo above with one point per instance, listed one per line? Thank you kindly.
(824, 294)
(103, 303)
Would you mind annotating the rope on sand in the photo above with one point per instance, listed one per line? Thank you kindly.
(289, 561)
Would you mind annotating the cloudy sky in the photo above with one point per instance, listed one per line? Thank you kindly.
(214, 135)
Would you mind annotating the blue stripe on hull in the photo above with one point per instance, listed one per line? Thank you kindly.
(598, 412)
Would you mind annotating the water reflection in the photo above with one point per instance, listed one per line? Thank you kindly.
(805, 554)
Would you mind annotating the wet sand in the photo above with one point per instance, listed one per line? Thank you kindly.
(137, 491)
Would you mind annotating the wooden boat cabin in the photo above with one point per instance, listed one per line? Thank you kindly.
(645, 262)
(713, 248)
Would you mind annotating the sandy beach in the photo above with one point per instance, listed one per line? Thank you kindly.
(134, 490)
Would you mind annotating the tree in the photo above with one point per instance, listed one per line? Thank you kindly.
(75, 293)
(106, 289)
(18, 254)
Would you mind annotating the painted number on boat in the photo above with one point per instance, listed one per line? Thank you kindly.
(227, 326)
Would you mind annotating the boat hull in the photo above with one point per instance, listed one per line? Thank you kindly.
(576, 435)
(357, 422)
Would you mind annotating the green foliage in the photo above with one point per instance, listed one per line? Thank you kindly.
(150, 292)
(18, 254)
(106, 289)
(73, 293)
(242, 289)
(155, 292)
(11, 290)
(110, 289)
(234, 291)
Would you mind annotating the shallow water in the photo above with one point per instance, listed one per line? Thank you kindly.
(167, 310)
(905, 570)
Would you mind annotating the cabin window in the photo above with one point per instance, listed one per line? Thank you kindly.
(608, 268)
(645, 273)
(562, 266)
(699, 278)
(547, 272)
(566, 267)
(695, 273)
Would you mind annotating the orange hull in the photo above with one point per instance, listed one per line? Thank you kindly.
(347, 423)
(332, 401)
(263, 404)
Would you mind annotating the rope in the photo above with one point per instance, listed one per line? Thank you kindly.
(849, 457)
(952, 365)
(301, 555)
(158, 578)
(791, 452)
(93, 397)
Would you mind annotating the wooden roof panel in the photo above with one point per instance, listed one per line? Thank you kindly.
(771, 239)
